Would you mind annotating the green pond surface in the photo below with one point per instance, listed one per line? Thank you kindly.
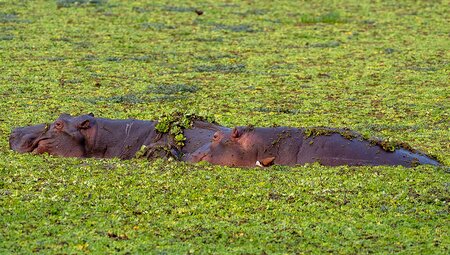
(380, 68)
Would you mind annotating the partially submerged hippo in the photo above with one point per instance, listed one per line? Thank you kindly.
(247, 147)
(88, 136)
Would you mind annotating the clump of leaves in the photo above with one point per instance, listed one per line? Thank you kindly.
(175, 122)
(320, 131)
(390, 144)
(331, 17)
(158, 150)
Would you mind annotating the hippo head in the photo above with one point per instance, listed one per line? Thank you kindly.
(67, 136)
(238, 147)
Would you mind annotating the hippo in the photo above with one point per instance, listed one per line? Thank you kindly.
(249, 146)
(87, 136)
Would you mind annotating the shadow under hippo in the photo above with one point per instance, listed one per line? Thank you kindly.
(87, 136)
(248, 146)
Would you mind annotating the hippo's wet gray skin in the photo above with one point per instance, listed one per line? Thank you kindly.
(87, 136)
(247, 147)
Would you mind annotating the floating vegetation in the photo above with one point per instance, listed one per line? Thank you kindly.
(6, 37)
(144, 58)
(70, 3)
(139, 9)
(369, 22)
(215, 39)
(107, 206)
(125, 99)
(128, 99)
(175, 122)
(89, 57)
(237, 68)
(179, 9)
(55, 59)
(320, 131)
(113, 59)
(236, 28)
(381, 127)
(156, 26)
(83, 45)
(251, 12)
(424, 69)
(215, 57)
(331, 17)
(331, 44)
(167, 98)
(164, 93)
(170, 89)
(276, 110)
(8, 17)
(63, 81)
(389, 51)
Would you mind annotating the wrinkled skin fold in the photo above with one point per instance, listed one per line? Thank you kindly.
(87, 136)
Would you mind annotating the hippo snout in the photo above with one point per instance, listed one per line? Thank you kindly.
(16, 139)
(22, 139)
(13, 139)
(195, 157)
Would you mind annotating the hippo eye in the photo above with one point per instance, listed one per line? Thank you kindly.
(216, 137)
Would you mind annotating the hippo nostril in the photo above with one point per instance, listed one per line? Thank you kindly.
(216, 136)
(59, 125)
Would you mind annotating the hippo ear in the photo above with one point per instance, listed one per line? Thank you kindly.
(235, 133)
(91, 114)
(84, 124)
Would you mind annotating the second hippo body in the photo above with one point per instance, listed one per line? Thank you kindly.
(243, 146)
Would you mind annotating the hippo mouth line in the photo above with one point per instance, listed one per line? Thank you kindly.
(35, 144)
(201, 158)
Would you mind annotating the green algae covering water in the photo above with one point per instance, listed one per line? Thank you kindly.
(378, 68)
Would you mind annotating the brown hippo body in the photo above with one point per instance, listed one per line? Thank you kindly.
(247, 147)
(88, 136)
